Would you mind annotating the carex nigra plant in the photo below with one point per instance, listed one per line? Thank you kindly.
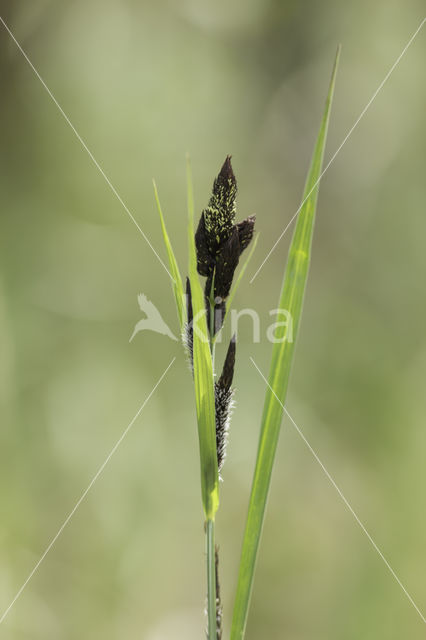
(215, 250)
(219, 243)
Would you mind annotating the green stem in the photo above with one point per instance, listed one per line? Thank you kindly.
(211, 580)
(211, 556)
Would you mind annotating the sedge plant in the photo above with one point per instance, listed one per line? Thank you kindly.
(215, 250)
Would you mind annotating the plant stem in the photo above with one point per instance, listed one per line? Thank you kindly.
(211, 580)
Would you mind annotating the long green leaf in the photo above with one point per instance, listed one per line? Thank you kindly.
(203, 376)
(174, 269)
(291, 299)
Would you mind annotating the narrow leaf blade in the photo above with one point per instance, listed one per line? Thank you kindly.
(291, 299)
(174, 269)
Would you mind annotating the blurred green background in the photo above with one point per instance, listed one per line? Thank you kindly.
(143, 83)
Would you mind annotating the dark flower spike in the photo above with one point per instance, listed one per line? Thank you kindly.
(220, 242)
(189, 312)
(187, 333)
(245, 232)
(223, 403)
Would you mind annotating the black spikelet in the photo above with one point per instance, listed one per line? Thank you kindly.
(220, 242)
(188, 331)
(223, 403)
(245, 232)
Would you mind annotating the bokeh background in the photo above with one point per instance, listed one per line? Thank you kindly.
(143, 83)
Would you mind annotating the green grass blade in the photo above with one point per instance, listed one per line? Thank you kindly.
(203, 377)
(174, 269)
(291, 298)
(236, 285)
